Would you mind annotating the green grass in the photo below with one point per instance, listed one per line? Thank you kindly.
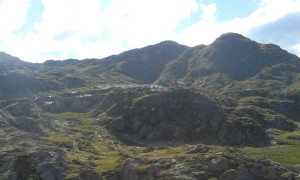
(287, 137)
(282, 153)
(67, 115)
(84, 118)
(293, 88)
(79, 130)
(59, 138)
(103, 153)
(168, 153)
(136, 100)
(163, 153)
(258, 99)
(292, 138)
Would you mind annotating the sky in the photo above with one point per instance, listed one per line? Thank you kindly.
(40, 30)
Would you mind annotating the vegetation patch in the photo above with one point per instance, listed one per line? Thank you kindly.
(293, 88)
(60, 138)
(281, 153)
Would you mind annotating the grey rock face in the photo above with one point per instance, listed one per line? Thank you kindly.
(182, 115)
(198, 148)
(281, 123)
(27, 124)
(36, 165)
(130, 171)
(89, 175)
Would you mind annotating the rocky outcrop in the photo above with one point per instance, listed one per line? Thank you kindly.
(102, 100)
(185, 116)
(73, 82)
(18, 84)
(27, 124)
(34, 165)
(266, 118)
(288, 108)
(19, 108)
(89, 175)
(77, 103)
(24, 116)
(280, 122)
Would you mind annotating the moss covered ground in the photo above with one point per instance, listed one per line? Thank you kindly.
(97, 148)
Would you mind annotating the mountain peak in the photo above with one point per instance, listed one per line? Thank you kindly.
(168, 42)
(169, 45)
(232, 36)
(233, 39)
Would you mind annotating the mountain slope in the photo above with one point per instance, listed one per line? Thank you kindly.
(9, 63)
(140, 65)
(229, 59)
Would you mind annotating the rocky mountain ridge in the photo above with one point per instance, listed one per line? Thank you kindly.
(230, 59)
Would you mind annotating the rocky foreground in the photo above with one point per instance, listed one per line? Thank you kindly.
(131, 133)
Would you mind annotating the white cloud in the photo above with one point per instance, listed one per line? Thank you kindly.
(139, 23)
(272, 10)
(202, 32)
(76, 15)
(207, 29)
(12, 15)
(65, 27)
(85, 29)
(296, 49)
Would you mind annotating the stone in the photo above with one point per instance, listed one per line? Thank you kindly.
(197, 148)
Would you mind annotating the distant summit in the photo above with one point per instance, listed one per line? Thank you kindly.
(231, 37)
(242, 58)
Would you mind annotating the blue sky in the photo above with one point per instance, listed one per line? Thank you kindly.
(39, 30)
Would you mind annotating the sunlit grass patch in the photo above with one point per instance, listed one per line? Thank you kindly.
(281, 153)
(60, 138)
